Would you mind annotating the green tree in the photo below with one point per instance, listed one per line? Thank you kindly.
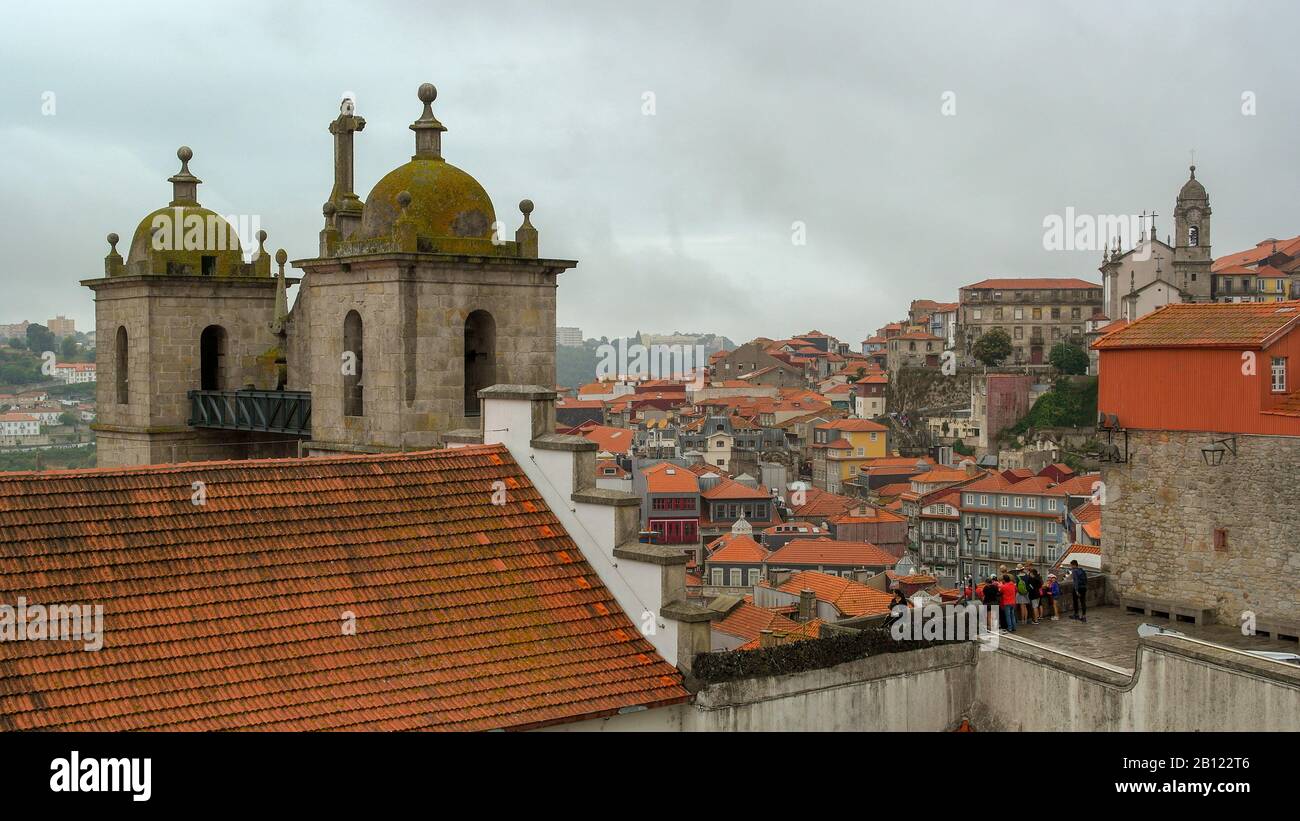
(69, 419)
(1068, 358)
(15, 372)
(68, 352)
(992, 347)
(40, 340)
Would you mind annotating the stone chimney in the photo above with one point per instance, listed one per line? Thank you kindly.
(648, 581)
(766, 638)
(807, 605)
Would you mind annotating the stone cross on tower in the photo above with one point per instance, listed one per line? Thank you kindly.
(1153, 225)
(347, 205)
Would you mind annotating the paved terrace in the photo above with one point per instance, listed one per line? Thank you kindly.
(1110, 635)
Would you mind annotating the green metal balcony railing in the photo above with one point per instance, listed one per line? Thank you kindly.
(263, 411)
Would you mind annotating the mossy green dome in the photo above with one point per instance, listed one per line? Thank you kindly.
(445, 202)
(188, 234)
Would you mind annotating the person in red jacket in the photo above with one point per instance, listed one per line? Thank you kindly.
(1008, 602)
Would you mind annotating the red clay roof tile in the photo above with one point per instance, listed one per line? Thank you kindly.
(229, 615)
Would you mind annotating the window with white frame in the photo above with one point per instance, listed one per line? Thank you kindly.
(717, 577)
(1051, 504)
(1004, 501)
(984, 500)
(1279, 374)
(753, 576)
(735, 577)
(1020, 501)
(1051, 528)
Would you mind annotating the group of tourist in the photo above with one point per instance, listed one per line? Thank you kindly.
(1023, 596)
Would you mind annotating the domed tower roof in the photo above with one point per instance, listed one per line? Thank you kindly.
(183, 237)
(445, 201)
(1192, 189)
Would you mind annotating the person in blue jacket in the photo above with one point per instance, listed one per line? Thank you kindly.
(1080, 591)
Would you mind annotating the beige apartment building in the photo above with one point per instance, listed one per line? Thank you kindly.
(1036, 313)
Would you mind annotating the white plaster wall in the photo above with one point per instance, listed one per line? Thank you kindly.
(636, 586)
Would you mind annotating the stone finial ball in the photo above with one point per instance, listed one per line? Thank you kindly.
(427, 93)
(184, 153)
(526, 207)
(281, 257)
(404, 198)
(328, 208)
(261, 236)
(112, 239)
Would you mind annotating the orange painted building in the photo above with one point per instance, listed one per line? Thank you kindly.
(1212, 367)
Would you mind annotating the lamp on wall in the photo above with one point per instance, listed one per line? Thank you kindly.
(1213, 453)
(973, 534)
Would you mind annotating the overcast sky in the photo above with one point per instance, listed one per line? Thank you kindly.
(766, 114)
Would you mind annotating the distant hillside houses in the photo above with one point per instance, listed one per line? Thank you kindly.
(74, 372)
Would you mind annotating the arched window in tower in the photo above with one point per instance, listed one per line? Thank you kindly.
(480, 358)
(1193, 235)
(353, 360)
(121, 367)
(212, 358)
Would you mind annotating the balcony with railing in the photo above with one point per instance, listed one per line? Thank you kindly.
(262, 411)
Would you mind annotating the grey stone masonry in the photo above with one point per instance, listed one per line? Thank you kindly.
(1190, 535)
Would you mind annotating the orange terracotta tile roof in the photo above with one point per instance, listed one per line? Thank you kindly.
(895, 489)
(1085, 548)
(909, 462)
(666, 477)
(853, 426)
(917, 578)
(1263, 250)
(1087, 512)
(801, 632)
(611, 440)
(866, 515)
(828, 552)
(734, 548)
(746, 620)
(1081, 485)
(941, 475)
(820, 503)
(731, 489)
(1033, 283)
(230, 615)
(850, 598)
(1093, 529)
(838, 444)
(1206, 325)
(997, 483)
(604, 466)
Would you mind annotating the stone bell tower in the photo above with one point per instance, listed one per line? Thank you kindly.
(1192, 256)
(182, 312)
(417, 303)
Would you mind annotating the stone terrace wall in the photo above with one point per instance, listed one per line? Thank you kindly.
(1162, 509)
(927, 689)
(1178, 685)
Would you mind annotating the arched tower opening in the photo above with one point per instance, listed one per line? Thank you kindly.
(212, 358)
(353, 363)
(480, 358)
(121, 367)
